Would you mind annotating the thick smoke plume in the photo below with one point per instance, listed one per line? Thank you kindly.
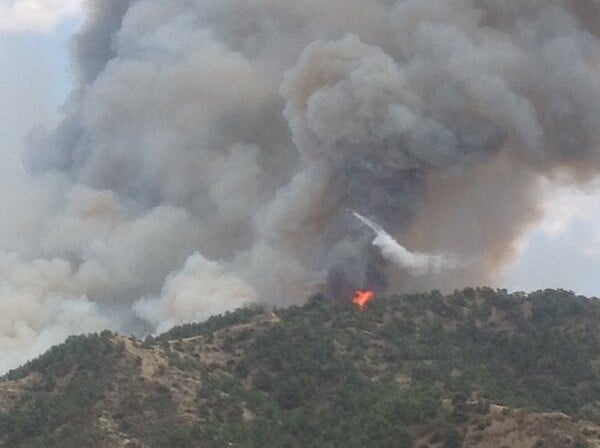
(209, 150)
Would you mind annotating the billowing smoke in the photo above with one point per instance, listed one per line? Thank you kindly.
(195, 293)
(207, 155)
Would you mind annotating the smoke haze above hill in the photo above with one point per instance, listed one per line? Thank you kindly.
(209, 150)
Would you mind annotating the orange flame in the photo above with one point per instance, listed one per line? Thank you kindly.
(362, 298)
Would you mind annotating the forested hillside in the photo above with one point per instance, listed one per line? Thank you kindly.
(479, 367)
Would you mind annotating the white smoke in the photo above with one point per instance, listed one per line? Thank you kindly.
(416, 263)
(41, 303)
(215, 145)
(201, 289)
(35, 15)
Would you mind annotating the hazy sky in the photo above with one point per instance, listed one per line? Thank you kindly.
(561, 251)
(35, 72)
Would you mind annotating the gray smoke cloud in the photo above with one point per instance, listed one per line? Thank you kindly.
(209, 150)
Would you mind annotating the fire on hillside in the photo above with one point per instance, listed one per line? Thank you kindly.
(362, 298)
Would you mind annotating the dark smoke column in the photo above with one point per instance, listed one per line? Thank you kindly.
(209, 151)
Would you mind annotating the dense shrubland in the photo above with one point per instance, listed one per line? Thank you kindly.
(408, 368)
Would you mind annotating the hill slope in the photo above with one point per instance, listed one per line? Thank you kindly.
(478, 368)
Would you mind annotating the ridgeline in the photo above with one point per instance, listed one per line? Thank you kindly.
(477, 368)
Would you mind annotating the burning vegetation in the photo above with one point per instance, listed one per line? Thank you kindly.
(362, 298)
(465, 370)
(200, 152)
